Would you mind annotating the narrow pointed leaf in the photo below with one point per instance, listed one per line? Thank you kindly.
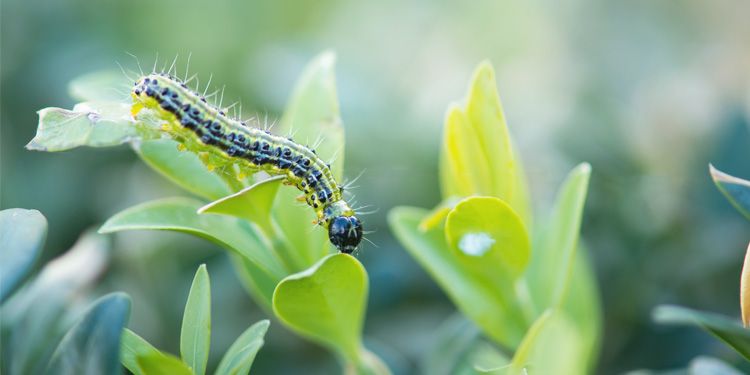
(326, 303)
(523, 353)
(735, 189)
(91, 346)
(133, 347)
(478, 156)
(22, 233)
(240, 356)
(726, 329)
(552, 261)
(196, 323)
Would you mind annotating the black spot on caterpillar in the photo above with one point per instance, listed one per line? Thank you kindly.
(201, 127)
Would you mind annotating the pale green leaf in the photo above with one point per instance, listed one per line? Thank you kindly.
(240, 356)
(478, 156)
(99, 86)
(489, 239)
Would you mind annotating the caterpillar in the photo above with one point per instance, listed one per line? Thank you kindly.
(200, 127)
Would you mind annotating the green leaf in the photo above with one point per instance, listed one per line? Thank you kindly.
(196, 323)
(163, 364)
(478, 156)
(133, 347)
(91, 346)
(551, 265)
(22, 233)
(37, 315)
(99, 86)
(735, 189)
(326, 303)
(522, 354)
(313, 112)
(94, 124)
(183, 168)
(240, 356)
(181, 215)
(258, 283)
(486, 307)
(253, 203)
(557, 348)
(312, 115)
(726, 329)
(489, 239)
(457, 349)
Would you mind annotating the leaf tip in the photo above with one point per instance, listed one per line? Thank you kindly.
(745, 289)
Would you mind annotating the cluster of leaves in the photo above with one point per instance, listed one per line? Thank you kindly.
(732, 331)
(141, 358)
(531, 293)
(43, 330)
(286, 267)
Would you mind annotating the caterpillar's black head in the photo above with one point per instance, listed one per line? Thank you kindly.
(345, 232)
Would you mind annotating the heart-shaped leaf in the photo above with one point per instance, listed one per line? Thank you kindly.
(326, 303)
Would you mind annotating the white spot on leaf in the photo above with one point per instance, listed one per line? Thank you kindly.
(475, 244)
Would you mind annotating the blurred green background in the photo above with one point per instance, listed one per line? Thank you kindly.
(649, 92)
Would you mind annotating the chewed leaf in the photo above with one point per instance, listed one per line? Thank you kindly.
(478, 157)
(735, 189)
(326, 303)
(94, 124)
